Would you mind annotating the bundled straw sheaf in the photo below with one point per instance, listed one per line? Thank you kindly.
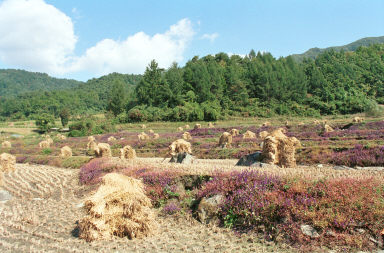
(119, 207)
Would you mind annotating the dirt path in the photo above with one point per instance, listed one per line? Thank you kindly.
(46, 204)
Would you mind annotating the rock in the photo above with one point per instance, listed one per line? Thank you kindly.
(5, 196)
(309, 230)
(208, 209)
(250, 159)
(342, 167)
(184, 158)
(369, 168)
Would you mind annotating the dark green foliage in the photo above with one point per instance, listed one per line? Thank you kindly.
(90, 126)
(117, 98)
(44, 122)
(15, 82)
(215, 87)
(64, 116)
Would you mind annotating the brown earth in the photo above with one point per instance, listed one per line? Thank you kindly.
(47, 203)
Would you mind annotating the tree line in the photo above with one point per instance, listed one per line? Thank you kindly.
(217, 86)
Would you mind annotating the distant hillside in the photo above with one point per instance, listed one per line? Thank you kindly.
(314, 52)
(14, 82)
(91, 96)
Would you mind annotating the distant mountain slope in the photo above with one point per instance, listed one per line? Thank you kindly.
(314, 52)
(91, 96)
(14, 82)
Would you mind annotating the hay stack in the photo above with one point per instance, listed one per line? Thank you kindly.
(61, 137)
(225, 140)
(279, 149)
(7, 162)
(187, 136)
(267, 123)
(44, 144)
(119, 207)
(143, 136)
(357, 120)
(143, 126)
(111, 139)
(6, 144)
(91, 145)
(249, 135)
(49, 140)
(91, 138)
(234, 132)
(103, 150)
(197, 126)
(180, 129)
(327, 129)
(301, 124)
(127, 153)
(65, 152)
(287, 123)
(156, 136)
(263, 134)
(210, 125)
(151, 131)
(180, 146)
(187, 127)
(316, 122)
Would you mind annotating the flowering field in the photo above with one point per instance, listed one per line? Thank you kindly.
(343, 208)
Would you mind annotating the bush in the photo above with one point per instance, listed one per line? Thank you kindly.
(90, 126)
(211, 110)
(44, 122)
(373, 109)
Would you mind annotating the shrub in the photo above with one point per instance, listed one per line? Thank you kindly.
(44, 122)
(64, 117)
(373, 109)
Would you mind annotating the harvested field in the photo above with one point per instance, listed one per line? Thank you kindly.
(47, 203)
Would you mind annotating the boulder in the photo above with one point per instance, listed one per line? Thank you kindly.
(250, 159)
(309, 230)
(209, 208)
(184, 158)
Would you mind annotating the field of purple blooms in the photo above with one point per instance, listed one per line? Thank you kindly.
(346, 211)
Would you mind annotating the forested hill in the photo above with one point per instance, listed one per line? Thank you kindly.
(314, 52)
(88, 97)
(14, 82)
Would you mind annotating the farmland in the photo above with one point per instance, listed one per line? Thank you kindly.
(343, 166)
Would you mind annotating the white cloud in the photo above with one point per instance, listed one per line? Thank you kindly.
(211, 37)
(37, 36)
(135, 52)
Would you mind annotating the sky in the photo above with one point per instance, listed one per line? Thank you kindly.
(90, 38)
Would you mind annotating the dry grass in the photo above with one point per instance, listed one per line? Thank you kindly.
(47, 202)
(119, 207)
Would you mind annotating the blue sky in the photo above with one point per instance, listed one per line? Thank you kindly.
(85, 39)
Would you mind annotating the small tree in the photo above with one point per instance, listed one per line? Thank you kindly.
(44, 122)
(116, 101)
(64, 116)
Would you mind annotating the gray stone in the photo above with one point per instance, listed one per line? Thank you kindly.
(5, 196)
(208, 209)
(309, 230)
(369, 168)
(250, 159)
(183, 158)
(342, 167)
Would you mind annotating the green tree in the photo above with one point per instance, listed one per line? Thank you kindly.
(44, 122)
(64, 116)
(117, 102)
